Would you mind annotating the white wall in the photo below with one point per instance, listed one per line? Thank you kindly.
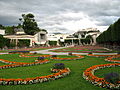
(2, 32)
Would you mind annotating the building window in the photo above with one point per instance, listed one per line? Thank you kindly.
(42, 36)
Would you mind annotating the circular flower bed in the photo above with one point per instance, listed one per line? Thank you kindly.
(71, 58)
(88, 74)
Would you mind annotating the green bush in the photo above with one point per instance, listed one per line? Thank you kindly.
(53, 43)
(59, 66)
(24, 43)
(112, 77)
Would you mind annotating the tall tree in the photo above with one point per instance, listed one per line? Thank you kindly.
(9, 30)
(2, 27)
(29, 24)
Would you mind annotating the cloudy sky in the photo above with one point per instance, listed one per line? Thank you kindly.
(66, 16)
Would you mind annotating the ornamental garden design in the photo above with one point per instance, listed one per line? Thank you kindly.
(60, 69)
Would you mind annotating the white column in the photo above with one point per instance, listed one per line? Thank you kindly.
(30, 42)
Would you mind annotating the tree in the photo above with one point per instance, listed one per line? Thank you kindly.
(9, 30)
(29, 25)
(2, 27)
(112, 35)
(4, 42)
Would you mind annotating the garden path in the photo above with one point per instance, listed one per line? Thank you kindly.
(47, 51)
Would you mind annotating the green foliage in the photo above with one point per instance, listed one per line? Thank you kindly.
(29, 24)
(59, 66)
(2, 27)
(9, 30)
(4, 42)
(23, 43)
(76, 81)
(53, 43)
(68, 40)
(86, 41)
(111, 35)
(112, 77)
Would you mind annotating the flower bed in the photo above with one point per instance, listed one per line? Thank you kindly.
(18, 64)
(27, 55)
(40, 79)
(99, 55)
(83, 49)
(88, 74)
(110, 59)
(59, 74)
(72, 58)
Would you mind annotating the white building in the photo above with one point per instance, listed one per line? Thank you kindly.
(2, 31)
(83, 33)
(39, 38)
(57, 37)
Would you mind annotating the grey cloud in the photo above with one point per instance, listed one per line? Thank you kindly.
(49, 13)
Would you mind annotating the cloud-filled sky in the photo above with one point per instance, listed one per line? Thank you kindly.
(65, 16)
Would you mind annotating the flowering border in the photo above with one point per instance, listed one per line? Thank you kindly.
(74, 58)
(60, 74)
(88, 74)
(26, 55)
(110, 59)
(99, 55)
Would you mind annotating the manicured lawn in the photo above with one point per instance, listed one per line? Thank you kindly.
(74, 81)
(16, 58)
(101, 72)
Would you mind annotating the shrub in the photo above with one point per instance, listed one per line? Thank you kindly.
(54, 56)
(53, 43)
(59, 66)
(90, 53)
(112, 77)
(19, 51)
(41, 58)
(24, 43)
(70, 54)
(35, 53)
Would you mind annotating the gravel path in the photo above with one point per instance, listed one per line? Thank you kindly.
(65, 53)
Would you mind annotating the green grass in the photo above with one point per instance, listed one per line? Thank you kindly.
(101, 72)
(116, 58)
(16, 58)
(74, 81)
(66, 56)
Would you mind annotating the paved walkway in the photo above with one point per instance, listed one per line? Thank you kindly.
(47, 51)
(65, 53)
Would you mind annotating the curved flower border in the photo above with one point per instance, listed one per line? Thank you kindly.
(110, 59)
(88, 74)
(100, 55)
(26, 55)
(60, 74)
(74, 58)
